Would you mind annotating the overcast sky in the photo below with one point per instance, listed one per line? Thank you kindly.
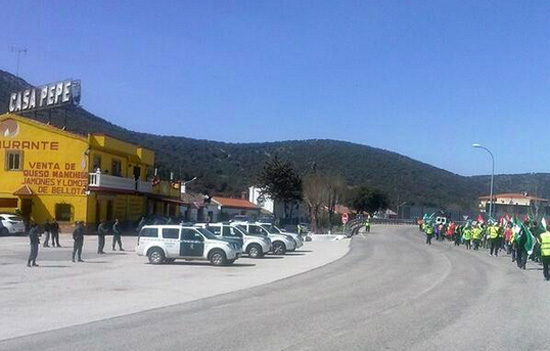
(422, 78)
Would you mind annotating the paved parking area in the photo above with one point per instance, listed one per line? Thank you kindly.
(60, 293)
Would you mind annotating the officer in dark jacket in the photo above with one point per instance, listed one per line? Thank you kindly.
(54, 227)
(116, 236)
(102, 230)
(78, 237)
(34, 236)
(47, 231)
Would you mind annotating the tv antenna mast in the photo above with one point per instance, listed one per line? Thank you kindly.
(19, 51)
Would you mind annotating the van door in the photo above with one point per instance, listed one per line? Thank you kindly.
(191, 244)
(170, 238)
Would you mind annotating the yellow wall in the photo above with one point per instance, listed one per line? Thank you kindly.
(56, 164)
(54, 167)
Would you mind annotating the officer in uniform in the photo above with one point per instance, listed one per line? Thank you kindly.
(34, 237)
(78, 237)
(47, 230)
(116, 236)
(367, 226)
(54, 227)
(102, 230)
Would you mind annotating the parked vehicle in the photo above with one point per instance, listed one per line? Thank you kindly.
(254, 245)
(280, 243)
(274, 230)
(166, 243)
(11, 224)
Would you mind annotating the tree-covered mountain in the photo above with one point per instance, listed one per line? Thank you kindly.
(229, 168)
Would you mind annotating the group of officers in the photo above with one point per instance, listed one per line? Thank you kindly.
(496, 237)
(51, 229)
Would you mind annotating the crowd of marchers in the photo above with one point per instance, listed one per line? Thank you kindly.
(522, 240)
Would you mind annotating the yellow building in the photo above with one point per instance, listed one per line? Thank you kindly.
(47, 173)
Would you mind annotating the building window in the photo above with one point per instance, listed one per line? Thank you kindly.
(63, 212)
(14, 160)
(116, 168)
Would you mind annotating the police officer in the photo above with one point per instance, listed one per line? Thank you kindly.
(367, 226)
(545, 252)
(78, 237)
(102, 230)
(54, 227)
(34, 237)
(47, 231)
(116, 236)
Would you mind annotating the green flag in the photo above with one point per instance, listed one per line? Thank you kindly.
(530, 242)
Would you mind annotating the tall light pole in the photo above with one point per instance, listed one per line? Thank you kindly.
(183, 184)
(479, 146)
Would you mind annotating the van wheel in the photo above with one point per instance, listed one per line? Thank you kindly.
(4, 232)
(254, 251)
(156, 256)
(279, 248)
(218, 258)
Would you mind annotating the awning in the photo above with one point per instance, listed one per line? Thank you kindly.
(23, 191)
(166, 199)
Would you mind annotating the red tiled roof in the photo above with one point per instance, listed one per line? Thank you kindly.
(342, 209)
(512, 195)
(238, 203)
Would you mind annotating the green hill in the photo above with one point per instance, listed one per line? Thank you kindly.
(229, 168)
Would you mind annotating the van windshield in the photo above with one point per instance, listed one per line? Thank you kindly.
(207, 233)
(270, 228)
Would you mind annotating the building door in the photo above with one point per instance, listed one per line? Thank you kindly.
(137, 174)
(109, 210)
(26, 208)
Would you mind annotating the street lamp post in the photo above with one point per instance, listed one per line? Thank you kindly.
(479, 146)
(183, 184)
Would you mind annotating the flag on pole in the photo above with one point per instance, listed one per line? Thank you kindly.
(530, 238)
(480, 219)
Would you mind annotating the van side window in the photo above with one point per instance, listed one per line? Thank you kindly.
(215, 229)
(254, 229)
(187, 234)
(232, 232)
(170, 233)
(149, 233)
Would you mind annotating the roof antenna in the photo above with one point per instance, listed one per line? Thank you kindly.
(19, 51)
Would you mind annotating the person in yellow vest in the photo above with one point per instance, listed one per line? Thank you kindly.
(467, 237)
(429, 230)
(477, 232)
(493, 232)
(544, 241)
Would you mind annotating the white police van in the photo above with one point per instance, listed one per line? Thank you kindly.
(276, 230)
(280, 243)
(166, 243)
(253, 244)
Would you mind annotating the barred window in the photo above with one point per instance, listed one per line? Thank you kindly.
(14, 160)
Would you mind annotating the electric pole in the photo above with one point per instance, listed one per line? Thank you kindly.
(19, 51)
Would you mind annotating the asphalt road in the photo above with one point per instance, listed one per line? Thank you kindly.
(391, 292)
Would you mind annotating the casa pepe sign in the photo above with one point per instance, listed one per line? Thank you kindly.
(47, 96)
